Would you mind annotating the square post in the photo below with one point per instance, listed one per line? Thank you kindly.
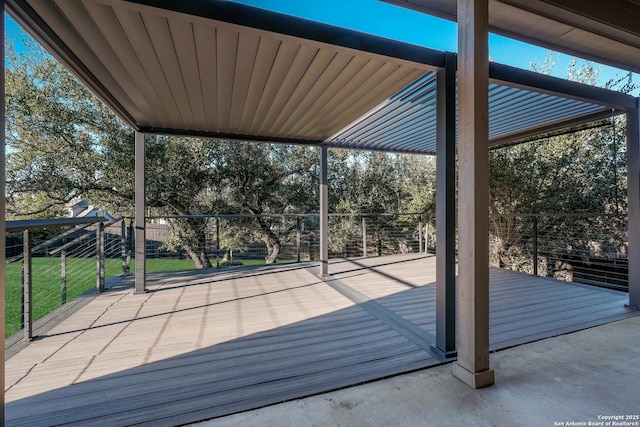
(27, 281)
(633, 195)
(218, 242)
(123, 248)
(472, 366)
(324, 213)
(535, 245)
(445, 345)
(364, 237)
(426, 239)
(140, 212)
(298, 239)
(63, 277)
(100, 257)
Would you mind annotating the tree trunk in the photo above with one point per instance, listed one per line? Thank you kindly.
(271, 239)
(273, 248)
(199, 257)
(192, 233)
(203, 259)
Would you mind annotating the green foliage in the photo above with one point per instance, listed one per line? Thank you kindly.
(573, 173)
(583, 172)
(62, 142)
(378, 183)
(579, 172)
(259, 179)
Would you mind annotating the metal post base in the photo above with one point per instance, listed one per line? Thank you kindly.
(451, 354)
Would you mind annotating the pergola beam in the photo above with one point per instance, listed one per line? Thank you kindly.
(516, 77)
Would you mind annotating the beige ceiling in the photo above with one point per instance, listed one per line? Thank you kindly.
(170, 70)
(606, 31)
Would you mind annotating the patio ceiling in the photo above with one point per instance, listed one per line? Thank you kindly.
(220, 69)
(605, 31)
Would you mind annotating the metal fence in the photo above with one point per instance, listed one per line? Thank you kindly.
(584, 248)
(240, 239)
(51, 262)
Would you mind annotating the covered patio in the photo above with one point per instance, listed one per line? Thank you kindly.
(222, 70)
(204, 344)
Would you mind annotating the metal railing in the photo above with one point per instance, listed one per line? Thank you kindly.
(50, 262)
(235, 239)
(584, 248)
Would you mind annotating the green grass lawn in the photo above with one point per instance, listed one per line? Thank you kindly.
(81, 276)
(47, 285)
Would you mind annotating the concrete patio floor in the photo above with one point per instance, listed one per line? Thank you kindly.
(574, 379)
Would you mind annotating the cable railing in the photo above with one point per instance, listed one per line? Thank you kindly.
(183, 242)
(52, 262)
(583, 248)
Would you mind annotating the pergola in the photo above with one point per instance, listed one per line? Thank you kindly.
(219, 69)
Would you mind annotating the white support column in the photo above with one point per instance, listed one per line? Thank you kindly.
(3, 227)
(324, 214)
(633, 195)
(140, 212)
(472, 366)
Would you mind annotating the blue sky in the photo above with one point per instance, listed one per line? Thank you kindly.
(382, 19)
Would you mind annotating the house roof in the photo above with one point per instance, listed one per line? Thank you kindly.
(220, 69)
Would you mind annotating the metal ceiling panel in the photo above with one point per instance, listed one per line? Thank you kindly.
(220, 69)
(406, 122)
(162, 69)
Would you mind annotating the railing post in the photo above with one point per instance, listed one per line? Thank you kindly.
(129, 246)
(218, 242)
(22, 295)
(426, 238)
(27, 307)
(123, 248)
(100, 257)
(420, 237)
(364, 237)
(535, 245)
(63, 277)
(298, 238)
